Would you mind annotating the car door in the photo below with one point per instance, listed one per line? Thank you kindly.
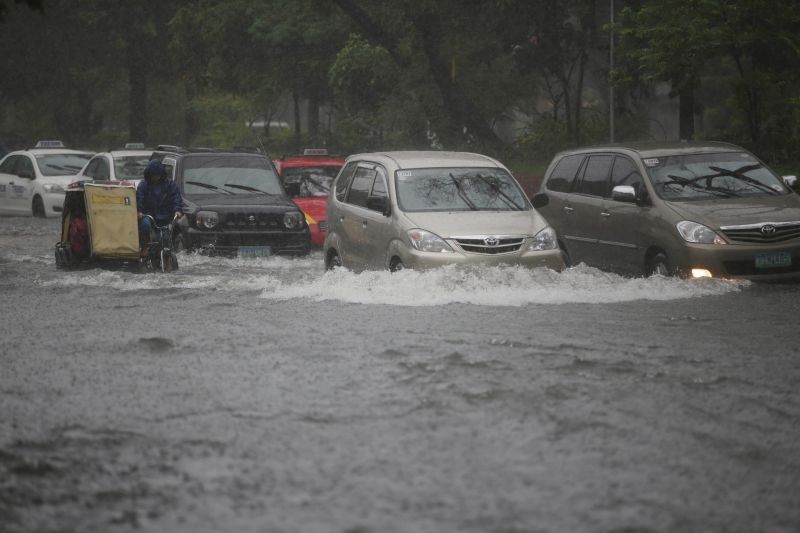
(623, 240)
(588, 202)
(21, 188)
(377, 227)
(558, 187)
(354, 217)
(7, 176)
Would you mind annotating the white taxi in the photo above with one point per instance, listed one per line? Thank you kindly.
(33, 181)
(116, 165)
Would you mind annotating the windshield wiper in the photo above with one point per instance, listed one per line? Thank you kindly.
(462, 194)
(246, 188)
(696, 186)
(496, 188)
(739, 174)
(207, 186)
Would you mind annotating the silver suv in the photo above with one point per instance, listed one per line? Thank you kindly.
(392, 210)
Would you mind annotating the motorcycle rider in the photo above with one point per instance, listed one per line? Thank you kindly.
(158, 197)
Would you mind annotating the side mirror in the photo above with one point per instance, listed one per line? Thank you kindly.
(540, 200)
(379, 204)
(27, 174)
(624, 193)
(791, 182)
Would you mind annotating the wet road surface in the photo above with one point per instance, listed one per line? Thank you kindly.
(265, 395)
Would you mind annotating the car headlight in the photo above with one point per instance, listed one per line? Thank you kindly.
(425, 241)
(698, 233)
(544, 240)
(293, 220)
(207, 219)
(52, 187)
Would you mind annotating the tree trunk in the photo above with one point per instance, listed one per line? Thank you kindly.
(297, 129)
(137, 97)
(579, 97)
(313, 120)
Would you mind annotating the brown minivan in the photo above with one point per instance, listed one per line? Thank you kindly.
(690, 209)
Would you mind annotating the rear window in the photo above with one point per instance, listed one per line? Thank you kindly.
(564, 173)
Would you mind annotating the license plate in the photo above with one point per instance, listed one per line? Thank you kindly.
(772, 260)
(255, 251)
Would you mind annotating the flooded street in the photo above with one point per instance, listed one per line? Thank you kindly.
(265, 395)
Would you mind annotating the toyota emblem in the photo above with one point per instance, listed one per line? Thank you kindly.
(491, 241)
(768, 229)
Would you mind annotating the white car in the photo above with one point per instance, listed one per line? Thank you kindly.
(33, 181)
(116, 165)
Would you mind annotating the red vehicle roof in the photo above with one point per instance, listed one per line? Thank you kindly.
(308, 161)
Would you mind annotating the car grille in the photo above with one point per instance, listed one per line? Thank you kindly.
(252, 220)
(479, 245)
(755, 233)
(748, 268)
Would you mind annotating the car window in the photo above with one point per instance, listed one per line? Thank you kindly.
(230, 175)
(130, 167)
(8, 165)
(595, 176)
(91, 168)
(61, 164)
(379, 187)
(626, 172)
(102, 170)
(564, 174)
(25, 166)
(361, 186)
(344, 181)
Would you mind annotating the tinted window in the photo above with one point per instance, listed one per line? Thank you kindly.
(25, 166)
(102, 170)
(626, 173)
(379, 187)
(564, 174)
(595, 176)
(91, 168)
(8, 165)
(344, 181)
(362, 184)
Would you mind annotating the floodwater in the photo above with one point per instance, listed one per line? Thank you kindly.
(265, 395)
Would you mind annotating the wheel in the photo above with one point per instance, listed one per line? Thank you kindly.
(396, 265)
(38, 207)
(168, 260)
(659, 265)
(178, 243)
(333, 260)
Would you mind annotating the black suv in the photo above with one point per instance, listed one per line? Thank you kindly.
(234, 204)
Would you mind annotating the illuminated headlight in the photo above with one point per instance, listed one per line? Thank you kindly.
(425, 241)
(544, 240)
(292, 220)
(698, 233)
(207, 219)
(52, 187)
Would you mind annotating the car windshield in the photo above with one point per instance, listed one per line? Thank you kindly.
(130, 167)
(705, 176)
(214, 174)
(305, 182)
(459, 189)
(61, 164)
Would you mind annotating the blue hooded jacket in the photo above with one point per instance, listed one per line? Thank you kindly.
(160, 200)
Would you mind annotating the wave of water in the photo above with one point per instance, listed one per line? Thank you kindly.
(279, 278)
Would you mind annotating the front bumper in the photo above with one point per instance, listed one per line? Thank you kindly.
(229, 242)
(416, 259)
(53, 203)
(737, 261)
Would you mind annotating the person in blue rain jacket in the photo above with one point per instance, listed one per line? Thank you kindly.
(158, 197)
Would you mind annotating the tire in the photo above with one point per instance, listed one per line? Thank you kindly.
(659, 264)
(396, 265)
(169, 262)
(178, 243)
(333, 261)
(38, 207)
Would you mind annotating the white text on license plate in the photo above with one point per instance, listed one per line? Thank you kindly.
(255, 251)
(774, 259)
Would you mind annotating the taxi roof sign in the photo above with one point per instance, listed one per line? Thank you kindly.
(49, 144)
(134, 146)
(315, 151)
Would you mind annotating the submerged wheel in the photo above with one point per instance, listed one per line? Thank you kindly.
(333, 260)
(659, 264)
(178, 243)
(38, 207)
(396, 265)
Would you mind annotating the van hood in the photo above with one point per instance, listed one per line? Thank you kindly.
(463, 223)
(737, 211)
